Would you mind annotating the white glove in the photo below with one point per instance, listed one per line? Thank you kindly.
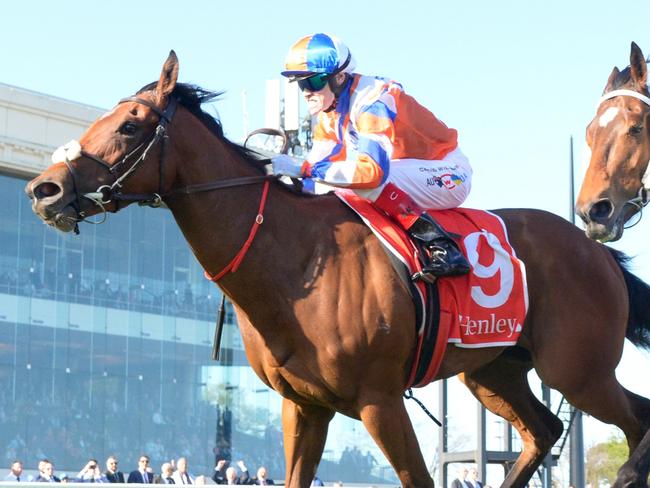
(284, 164)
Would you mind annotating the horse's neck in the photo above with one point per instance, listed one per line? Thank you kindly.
(216, 224)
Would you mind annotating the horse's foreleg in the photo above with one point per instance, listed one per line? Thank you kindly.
(388, 423)
(305, 431)
(502, 387)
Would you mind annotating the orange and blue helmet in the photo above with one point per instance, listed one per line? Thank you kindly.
(317, 54)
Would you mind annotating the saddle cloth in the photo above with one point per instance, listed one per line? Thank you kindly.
(485, 308)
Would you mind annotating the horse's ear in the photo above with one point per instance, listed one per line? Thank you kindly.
(638, 67)
(611, 80)
(168, 77)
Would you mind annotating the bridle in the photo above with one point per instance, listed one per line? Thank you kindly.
(643, 196)
(106, 194)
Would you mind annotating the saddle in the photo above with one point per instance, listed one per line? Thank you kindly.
(485, 308)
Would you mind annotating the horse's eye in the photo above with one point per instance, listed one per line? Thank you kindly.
(635, 130)
(128, 128)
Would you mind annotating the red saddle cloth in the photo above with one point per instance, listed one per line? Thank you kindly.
(484, 308)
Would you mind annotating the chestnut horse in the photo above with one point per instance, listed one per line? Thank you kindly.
(616, 185)
(325, 319)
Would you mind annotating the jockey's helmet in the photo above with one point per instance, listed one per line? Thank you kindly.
(317, 54)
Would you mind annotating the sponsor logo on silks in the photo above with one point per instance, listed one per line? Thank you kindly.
(447, 180)
(500, 326)
(437, 169)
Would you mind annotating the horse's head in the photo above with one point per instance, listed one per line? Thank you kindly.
(106, 170)
(615, 187)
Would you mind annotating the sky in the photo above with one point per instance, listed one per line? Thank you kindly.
(517, 79)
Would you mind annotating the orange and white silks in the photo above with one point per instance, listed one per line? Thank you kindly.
(374, 125)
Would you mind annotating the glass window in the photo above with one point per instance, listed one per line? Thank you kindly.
(85, 372)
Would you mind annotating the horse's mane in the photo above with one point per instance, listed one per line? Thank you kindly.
(624, 78)
(192, 97)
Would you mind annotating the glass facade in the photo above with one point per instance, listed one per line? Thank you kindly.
(105, 344)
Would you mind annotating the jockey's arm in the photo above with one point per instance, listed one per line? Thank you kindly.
(370, 167)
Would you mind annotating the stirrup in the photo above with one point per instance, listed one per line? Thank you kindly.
(445, 259)
(424, 276)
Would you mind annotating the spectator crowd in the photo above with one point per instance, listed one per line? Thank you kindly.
(172, 472)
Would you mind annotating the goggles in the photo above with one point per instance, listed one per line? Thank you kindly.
(314, 83)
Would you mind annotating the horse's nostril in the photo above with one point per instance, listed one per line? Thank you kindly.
(46, 190)
(601, 210)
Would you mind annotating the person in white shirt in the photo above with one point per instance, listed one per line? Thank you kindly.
(472, 477)
(181, 475)
(461, 482)
(91, 473)
(16, 472)
(166, 475)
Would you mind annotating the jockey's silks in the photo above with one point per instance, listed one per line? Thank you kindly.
(374, 123)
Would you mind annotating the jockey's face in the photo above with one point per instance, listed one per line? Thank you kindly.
(323, 99)
(319, 101)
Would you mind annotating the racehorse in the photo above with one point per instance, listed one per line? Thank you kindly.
(616, 185)
(324, 317)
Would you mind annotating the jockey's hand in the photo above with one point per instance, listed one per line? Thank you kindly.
(284, 164)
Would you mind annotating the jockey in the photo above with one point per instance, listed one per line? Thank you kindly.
(376, 140)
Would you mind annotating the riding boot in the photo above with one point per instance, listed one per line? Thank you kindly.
(446, 258)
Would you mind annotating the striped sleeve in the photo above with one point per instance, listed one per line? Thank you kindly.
(375, 128)
(326, 146)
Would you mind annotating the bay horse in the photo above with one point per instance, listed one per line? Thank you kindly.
(616, 185)
(325, 319)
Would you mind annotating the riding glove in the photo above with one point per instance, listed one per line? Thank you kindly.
(286, 165)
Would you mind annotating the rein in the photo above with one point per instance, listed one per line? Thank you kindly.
(643, 198)
(106, 194)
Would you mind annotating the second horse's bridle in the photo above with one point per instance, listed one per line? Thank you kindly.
(642, 198)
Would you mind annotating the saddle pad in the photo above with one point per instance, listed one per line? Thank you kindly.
(487, 306)
(484, 308)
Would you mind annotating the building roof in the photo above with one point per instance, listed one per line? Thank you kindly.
(33, 124)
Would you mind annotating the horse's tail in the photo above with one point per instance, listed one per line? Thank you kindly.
(638, 322)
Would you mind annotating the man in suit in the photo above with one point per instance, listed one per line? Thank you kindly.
(112, 474)
(181, 475)
(472, 477)
(166, 475)
(230, 476)
(142, 474)
(461, 482)
(262, 477)
(46, 472)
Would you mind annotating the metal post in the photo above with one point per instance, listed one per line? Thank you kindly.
(577, 451)
(481, 433)
(442, 437)
(547, 475)
(576, 439)
(572, 188)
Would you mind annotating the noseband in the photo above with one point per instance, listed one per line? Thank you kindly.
(106, 194)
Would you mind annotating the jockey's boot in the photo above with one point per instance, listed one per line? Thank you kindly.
(446, 258)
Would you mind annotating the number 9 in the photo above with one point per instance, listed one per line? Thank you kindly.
(501, 263)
